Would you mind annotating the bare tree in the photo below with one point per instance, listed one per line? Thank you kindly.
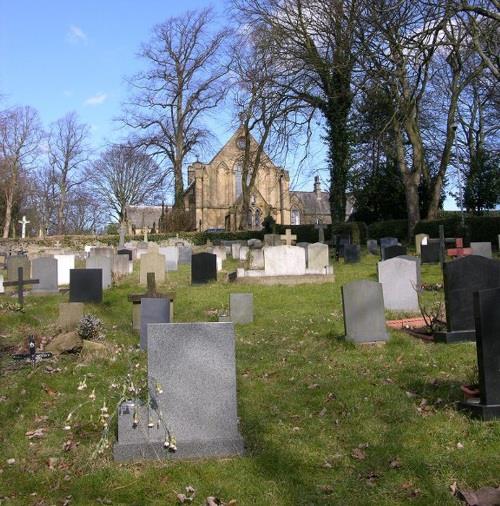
(182, 82)
(20, 137)
(68, 152)
(123, 176)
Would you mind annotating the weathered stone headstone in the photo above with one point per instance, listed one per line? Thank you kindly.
(235, 250)
(185, 253)
(363, 306)
(120, 266)
(272, 240)
(462, 277)
(320, 227)
(418, 241)
(400, 280)
(85, 285)
(482, 249)
(256, 259)
(192, 383)
(104, 251)
(430, 253)
(318, 258)
(255, 243)
(70, 314)
(64, 264)
(45, 270)
(152, 262)
(393, 251)
(244, 251)
(284, 261)
(16, 261)
(241, 307)
(125, 251)
(203, 268)
(487, 322)
(171, 257)
(352, 253)
(372, 246)
(155, 310)
(103, 263)
(220, 251)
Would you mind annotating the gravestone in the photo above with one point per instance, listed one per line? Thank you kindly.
(304, 245)
(352, 253)
(103, 263)
(171, 257)
(272, 240)
(120, 266)
(103, 251)
(320, 227)
(255, 244)
(85, 285)
(482, 249)
(388, 241)
(363, 307)
(45, 270)
(185, 253)
(13, 264)
(400, 280)
(393, 251)
(462, 277)
(372, 246)
(318, 259)
(70, 314)
(152, 262)
(284, 261)
(459, 250)
(430, 253)
(203, 268)
(64, 264)
(192, 383)
(244, 250)
(154, 310)
(125, 251)
(19, 283)
(256, 259)
(418, 241)
(487, 322)
(235, 250)
(220, 252)
(241, 307)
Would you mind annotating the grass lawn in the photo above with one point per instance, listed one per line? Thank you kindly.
(324, 421)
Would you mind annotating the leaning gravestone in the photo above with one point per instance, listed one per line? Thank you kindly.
(363, 306)
(203, 268)
(462, 277)
(70, 314)
(64, 264)
(85, 285)
(155, 310)
(372, 246)
(487, 321)
(352, 253)
(16, 261)
(152, 262)
(430, 253)
(318, 259)
(400, 280)
(192, 385)
(45, 270)
(418, 242)
(393, 251)
(105, 264)
(284, 261)
(482, 249)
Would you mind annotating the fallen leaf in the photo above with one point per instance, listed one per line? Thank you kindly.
(326, 489)
(35, 433)
(52, 463)
(395, 463)
(322, 412)
(453, 488)
(358, 454)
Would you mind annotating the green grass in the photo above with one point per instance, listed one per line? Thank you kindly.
(306, 400)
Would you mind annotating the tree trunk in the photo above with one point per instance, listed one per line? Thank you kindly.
(8, 214)
(60, 212)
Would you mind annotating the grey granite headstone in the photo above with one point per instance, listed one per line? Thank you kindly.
(185, 253)
(352, 253)
(482, 249)
(105, 264)
(171, 257)
(241, 307)
(120, 265)
(153, 310)
(192, 383)
(363, 306)
(400, 279)
(45, 270)
(318, 258)
(393, 251)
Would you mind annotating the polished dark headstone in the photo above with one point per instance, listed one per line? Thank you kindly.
(351, 253)
(388, 241)
(85, 285)
(203, 268)
(462, 277)
(430, 253)
(393, 251)
(125, 251)
(487, 319)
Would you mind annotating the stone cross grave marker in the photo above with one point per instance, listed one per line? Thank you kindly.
(459, 250)
(23, 223)
(288, 237)
(13, 264)
(320, 227)
(20, 283)
(487, 318)
(123, 231)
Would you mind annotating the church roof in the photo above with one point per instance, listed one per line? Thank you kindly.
(311, 203)
(143, 215)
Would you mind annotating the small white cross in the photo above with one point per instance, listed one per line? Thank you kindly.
(24, 222)
(288, 237)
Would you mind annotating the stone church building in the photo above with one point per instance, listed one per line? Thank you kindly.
(213, 197)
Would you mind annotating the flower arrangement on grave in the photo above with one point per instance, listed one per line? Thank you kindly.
(91, 328)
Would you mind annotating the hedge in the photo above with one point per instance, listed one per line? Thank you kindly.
(390, 228)
(356, 229)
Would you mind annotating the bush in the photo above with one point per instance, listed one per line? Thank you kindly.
(390, 228)
(357, 230)
(304, 233)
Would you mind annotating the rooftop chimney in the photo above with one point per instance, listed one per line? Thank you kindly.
(317, 186)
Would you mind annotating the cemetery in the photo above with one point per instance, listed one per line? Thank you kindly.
(265, 393)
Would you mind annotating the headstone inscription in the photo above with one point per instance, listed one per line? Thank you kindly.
(13, 264)
(192, 383)
(482, 249)
(393, 251)
(400, 280)
(203, 268)
(153, 310)
(19, 284)
(352, 253)
(487, 321)
(363, 307)
(105, 264)
(85, 285)
(45, 270)
(462, 277)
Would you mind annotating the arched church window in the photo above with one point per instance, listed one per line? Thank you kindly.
(295, 218)
(237, 180)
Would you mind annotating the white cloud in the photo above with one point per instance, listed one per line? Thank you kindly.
(96, 99)
(76, 35)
